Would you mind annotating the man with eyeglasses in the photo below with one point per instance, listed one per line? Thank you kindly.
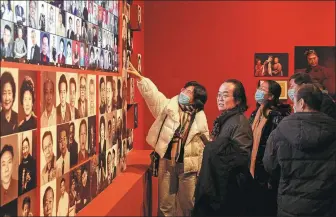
(49, 170)
(176, 137)
(82, 101)
(63, 162)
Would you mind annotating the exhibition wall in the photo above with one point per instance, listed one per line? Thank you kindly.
(213, 41)
(65, 101)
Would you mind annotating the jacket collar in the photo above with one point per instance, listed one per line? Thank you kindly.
(199, 125)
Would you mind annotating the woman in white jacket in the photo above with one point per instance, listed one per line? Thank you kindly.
(175, 136)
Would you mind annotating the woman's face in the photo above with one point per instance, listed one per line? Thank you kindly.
(20, 33)
(27, 102)
(7, 97)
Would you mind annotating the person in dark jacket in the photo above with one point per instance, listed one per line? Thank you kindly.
(225, 158)
(263, 121)
(328, 105)
(301, 152)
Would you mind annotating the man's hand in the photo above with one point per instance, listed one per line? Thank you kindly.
(133, 72)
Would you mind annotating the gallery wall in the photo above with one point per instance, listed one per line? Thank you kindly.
(213, 41)
(47, 150)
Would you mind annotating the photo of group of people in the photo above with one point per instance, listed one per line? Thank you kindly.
(75, 33)
(271, 64)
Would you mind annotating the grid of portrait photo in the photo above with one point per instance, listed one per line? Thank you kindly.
(113, 135)
(67, 141)
(77, 33)
(18, 141)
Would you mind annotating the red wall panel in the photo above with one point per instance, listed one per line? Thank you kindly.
(213, 41)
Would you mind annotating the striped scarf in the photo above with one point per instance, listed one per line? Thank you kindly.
(187, 114)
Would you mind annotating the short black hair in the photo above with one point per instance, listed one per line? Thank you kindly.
(62, 128)
(62, 180)
(83, 121)
(311, 95)
(72, 81)
(9, 148)
(72, 124)
(8, 28)
(301, 78)
(69, 43)
(102, 80)
(25, 140)
(5, 78)
(102, 121)
(200, 94)
(62, 80)
(27, 85)
(26, 200)
(47, 133)
(239, 94)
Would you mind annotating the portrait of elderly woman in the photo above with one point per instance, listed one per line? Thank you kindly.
(9, 117)
(20, 48)
(27, 100)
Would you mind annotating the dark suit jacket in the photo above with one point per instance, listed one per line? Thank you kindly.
(71, 34)
(73, 148)
(94, 183)
(67, 116)
(81, 113)
(36, 55)
(7, 52)
(76, 114)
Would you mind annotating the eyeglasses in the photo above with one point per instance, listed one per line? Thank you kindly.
(186, 91)
(222, 95)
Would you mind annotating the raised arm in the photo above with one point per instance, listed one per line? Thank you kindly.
(155, 100)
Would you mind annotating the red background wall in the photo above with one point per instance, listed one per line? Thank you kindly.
(213, 41)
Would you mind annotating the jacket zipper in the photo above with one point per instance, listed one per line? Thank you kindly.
(160, 130)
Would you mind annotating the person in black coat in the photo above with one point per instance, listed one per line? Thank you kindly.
(263, 121)
(220, 187)
(328, 105)
(301, 153)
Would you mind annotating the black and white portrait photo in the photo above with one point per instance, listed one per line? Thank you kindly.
(34, 44)
(7, 39)
(20, 43)
(51, 19)
(20, 12)
(7, 10)
(33, 14)
(70, 34)
(42, 15)
(53, 48)
(60, 22)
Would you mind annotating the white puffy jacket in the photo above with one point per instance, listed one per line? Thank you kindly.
(167, 120)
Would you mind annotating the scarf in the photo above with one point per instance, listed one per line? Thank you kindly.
(187, 115)
(257, 127)
(219, 121)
